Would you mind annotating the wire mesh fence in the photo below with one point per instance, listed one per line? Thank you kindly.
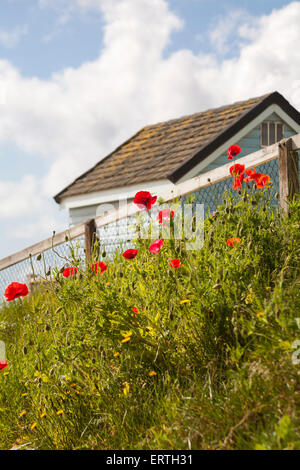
(120, 234)
(33, 268)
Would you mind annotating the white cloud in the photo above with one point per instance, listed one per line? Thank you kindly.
(11, 38)
(79, 115)
(19, 199)
(227, 32)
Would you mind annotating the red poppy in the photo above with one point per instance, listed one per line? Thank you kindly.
(237, 182)
(144, 199)
(135, 311)
(3, 364)
(165, 216)
(251, 174)
(175, 263)
(70, 272)
(129, 254)
(237, 169)
(262, 181)
(233, 151)
(99, 267)
(232, 241)
(15, 290)
(156, 246)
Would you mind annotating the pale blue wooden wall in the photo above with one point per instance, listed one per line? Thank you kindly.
(250, 143)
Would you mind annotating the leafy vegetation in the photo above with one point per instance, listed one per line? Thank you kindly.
(204, 361)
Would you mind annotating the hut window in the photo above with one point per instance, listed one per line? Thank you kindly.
(270, 133)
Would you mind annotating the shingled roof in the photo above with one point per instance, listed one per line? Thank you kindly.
(168, 150)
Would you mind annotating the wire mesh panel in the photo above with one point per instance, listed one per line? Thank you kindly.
(25, 271)
(117, 235)
(212, 195)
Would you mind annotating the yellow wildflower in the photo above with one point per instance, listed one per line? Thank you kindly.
(43, 415)
(152, 373)
(24, 394)
(117, 354)
(5, 373)
(260, 314)
(33, 426)
(126, 339)
(185, 301)
(59, 412)
(22, 413)
(126, 389)
(268, 288)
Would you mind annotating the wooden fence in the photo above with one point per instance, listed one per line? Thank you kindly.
(284, 151)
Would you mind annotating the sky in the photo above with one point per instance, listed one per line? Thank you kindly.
(78, 77)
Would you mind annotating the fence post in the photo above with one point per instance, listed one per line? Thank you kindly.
(288, 173)
(90, 233)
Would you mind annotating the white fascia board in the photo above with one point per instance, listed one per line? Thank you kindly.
(274, 108)
(115, 194)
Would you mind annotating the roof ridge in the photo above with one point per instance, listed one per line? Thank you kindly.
(216, 109)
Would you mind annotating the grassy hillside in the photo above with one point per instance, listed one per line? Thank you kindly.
(206, 363)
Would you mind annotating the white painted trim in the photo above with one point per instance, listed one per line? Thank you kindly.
(115, 194)
(274, 108)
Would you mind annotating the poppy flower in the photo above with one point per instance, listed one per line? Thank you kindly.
(237, 182)
(165, 216)
(232, 241)
(15, 290)
(262, 181)
(233, 151)
(237, 169)
(251, 175)
(135, 311)
(70, 272)
(3, 364)
(130, 254)
(175, 263)
(144, 199)
(156, 246)
(99, 267)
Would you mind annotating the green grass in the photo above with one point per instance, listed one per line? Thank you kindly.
(223, 360)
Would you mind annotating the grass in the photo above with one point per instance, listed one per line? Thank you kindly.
(217, 332)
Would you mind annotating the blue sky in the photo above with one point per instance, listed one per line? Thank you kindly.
(56, 36)
(80, 76)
